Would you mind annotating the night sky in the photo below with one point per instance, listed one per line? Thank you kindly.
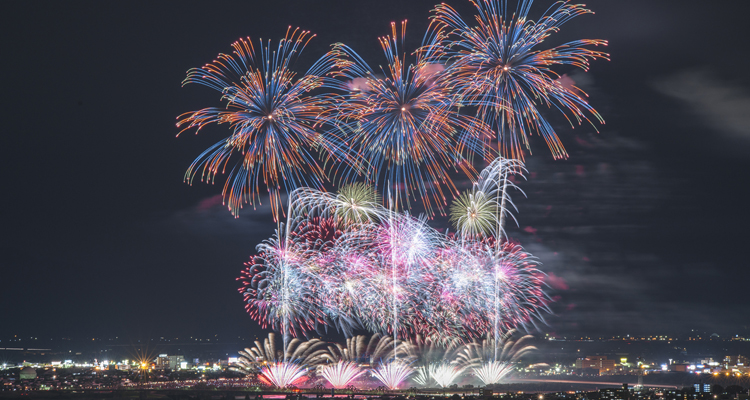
(641, 230)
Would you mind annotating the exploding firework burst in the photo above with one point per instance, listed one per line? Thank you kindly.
(391, 273)
(275, 121)
(492, 360)
(496, 67)
(276, 290)
(473, 214)
(356, 203)
(402, 124)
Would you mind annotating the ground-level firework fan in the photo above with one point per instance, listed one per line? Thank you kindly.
(332, 266)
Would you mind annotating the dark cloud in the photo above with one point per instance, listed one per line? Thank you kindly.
(209, 219)
(721, 104)
(589, 221)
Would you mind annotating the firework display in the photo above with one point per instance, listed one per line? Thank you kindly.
(357, 258)
(339, 272)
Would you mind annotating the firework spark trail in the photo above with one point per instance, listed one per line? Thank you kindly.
(273, 117)
(306, 353)
(359, 349)
(444, 373)
(422, 376)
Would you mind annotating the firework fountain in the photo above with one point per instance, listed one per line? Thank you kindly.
(487, 363)
(341, 374)
(281, 368)
(392, 374)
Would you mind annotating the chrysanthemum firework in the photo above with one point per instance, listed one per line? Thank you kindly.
(356, 203)
(275, 287)
(497, 66)
(402, 124)
(473, 213)
(275, 121)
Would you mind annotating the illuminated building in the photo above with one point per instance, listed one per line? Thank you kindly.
(165, 361)
(600, 363)
(702, 388)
